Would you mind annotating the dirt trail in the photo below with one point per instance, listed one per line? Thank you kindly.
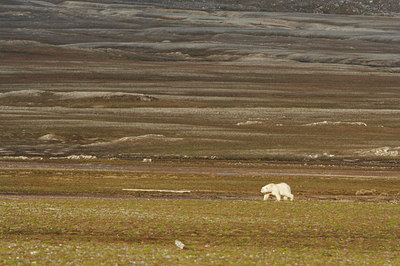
(336, 198)
(218, 171)
(206, 170)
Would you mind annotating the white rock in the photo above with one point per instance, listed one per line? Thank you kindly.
(179, 244)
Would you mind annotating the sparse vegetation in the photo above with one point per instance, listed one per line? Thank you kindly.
(217, 185)
(101, 96)
(98, 82)
(86, 231)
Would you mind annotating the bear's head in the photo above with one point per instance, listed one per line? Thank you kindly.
(266, 189)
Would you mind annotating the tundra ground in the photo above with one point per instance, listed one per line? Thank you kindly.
(223, 98)
(130, 231)
(138, 80)
(60, 212)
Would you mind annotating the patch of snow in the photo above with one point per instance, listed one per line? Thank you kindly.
(381, 152)
(20, 158)
(21, 93)
(94, 94)
(329, 123)
(20, 43)
(248, 123)
(51, 137)
(77, 94)
(323, 155)
(78, 157)
(147, 137)
(137, 139)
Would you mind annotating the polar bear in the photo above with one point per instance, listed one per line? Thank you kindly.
(277, 190)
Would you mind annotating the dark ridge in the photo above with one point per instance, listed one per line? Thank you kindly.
(348, 7)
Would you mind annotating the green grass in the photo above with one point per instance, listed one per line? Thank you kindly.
(93, 231)
(57, 230)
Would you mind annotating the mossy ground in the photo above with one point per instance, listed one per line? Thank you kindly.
(92, 231)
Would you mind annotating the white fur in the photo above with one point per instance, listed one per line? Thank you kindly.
(277, 190)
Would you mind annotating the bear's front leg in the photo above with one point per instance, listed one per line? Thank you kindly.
(278, 196)
(266, 196)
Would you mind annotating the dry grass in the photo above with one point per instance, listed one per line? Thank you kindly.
(213, 185)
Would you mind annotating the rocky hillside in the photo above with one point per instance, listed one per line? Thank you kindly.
(347, 7)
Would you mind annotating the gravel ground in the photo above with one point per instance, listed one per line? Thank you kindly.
(225, 80)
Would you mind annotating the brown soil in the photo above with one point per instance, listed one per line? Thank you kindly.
(319, 193)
